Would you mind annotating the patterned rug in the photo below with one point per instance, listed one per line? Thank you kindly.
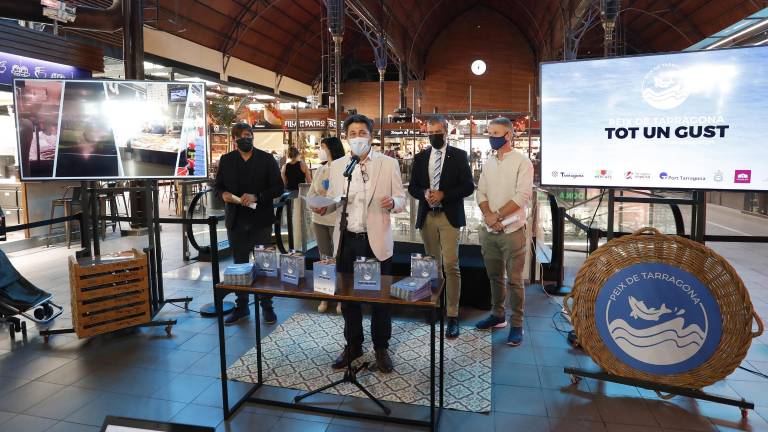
(298, 354)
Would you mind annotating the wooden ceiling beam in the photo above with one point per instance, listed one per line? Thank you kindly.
(220, 14)
(735, 12)
(310, 33)
(675, 11)
(237, 22)
(681, 20)
(635, 4)
(218, 35)
(205, 27)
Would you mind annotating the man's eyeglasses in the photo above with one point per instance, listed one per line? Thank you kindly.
(364, 172)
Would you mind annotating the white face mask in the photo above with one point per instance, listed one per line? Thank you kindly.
(359, 146)
(323, 155)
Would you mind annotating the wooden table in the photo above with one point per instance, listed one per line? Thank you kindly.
(345, 291)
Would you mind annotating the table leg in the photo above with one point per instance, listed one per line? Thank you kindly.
(218, 302)
(442, 347)
(433, 320)
(102, 215)
(68, 224)
(258, 339)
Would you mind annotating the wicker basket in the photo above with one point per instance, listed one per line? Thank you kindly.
(649, 247)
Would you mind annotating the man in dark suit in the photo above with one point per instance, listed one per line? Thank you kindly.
(440, 180)
(248, 181)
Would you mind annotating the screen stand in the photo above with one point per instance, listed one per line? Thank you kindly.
(138, 226)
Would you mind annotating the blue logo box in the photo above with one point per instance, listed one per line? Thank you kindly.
(324, 276)
(423, 266)
(291, 267)
(265, 261)
(367, 274)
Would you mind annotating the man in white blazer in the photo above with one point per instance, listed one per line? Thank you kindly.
(375, 192)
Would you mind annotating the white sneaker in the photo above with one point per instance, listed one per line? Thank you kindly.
(338, 308)
(322, 307)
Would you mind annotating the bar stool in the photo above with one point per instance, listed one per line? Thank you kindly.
(67, 202)
(173, 197)
(165, 189)
(110, 197)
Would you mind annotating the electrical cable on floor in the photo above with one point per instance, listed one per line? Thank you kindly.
(541, 279)
(557, 327)
(551, 298)
(754, 372)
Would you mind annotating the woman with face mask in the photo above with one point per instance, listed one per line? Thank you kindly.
(330, 150)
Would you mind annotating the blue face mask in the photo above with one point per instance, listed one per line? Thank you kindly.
(497, 142)
(359, 146)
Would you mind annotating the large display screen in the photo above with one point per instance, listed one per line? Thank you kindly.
(89, 130)
(693, 120)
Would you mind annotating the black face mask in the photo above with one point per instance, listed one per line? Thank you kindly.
(245, 144)
(437, 140)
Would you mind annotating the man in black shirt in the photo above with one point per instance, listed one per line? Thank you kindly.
(248, 178)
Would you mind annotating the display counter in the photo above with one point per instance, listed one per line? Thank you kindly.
(150, 154)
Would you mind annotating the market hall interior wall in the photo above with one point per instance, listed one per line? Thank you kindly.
(481, 33)
(175, 48)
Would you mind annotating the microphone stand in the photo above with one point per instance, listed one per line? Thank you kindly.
(343, 222)
(350, 374)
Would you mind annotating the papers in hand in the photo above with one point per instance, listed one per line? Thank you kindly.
(239, 201)
(319, 201)
(509, 220)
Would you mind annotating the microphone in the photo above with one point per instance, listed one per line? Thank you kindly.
(353, 161)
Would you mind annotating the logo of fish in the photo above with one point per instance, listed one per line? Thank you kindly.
(641, 311)
(664, 87)
(658, 318)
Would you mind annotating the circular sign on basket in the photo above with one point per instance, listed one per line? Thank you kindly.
(662, 308)
(658, 318)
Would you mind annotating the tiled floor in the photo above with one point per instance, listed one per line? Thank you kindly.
(70, 385)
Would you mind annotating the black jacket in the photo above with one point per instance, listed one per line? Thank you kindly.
(455, 182)
(259, 176)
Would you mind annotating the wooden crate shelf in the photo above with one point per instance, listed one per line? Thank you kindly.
(109, 292)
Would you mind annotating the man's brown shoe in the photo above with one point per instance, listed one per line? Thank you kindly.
(384, 361)
(341, 360)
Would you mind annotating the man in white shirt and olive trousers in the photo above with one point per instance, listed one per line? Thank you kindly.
(503, 194)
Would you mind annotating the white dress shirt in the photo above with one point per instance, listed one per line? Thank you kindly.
(432, 157)
(357, 210)
(432, 160)
(384, 181)
(507, 179)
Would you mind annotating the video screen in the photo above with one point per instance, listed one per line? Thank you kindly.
(95, 129)
(690, 120)
(177, 93)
